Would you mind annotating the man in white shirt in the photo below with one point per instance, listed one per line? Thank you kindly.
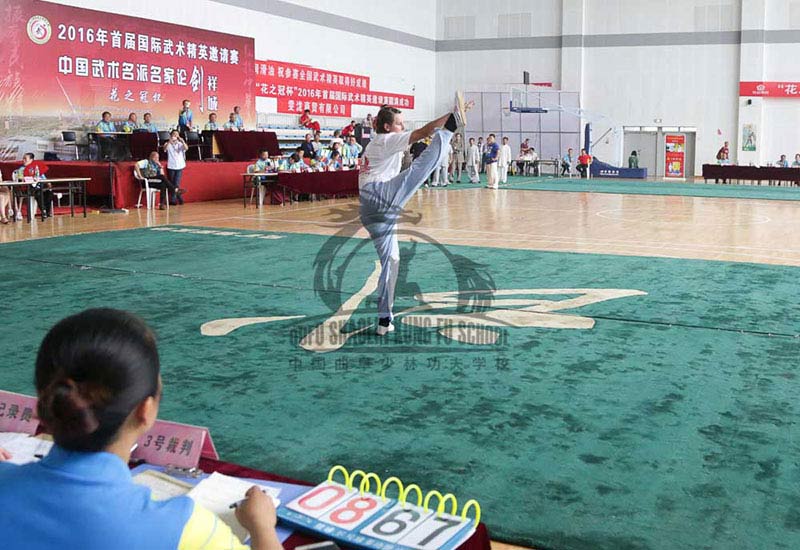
(384, 190)
(473, 162)
(504, 160)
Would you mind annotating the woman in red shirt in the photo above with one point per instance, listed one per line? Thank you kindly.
(584, 160)
(44, 196)
(309, 122)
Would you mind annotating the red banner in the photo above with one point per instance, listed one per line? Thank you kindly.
(770, 89)
(675, 156)
(74, 63)
(323, 92)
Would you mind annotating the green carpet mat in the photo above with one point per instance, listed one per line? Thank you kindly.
(639, 187)
(671, 422)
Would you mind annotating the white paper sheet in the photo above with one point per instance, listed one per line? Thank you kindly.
(217, 492)
(162, 486)
(24, 448)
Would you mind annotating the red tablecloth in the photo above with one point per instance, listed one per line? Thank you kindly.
(321, 183)
(479, 540)
(98, 171)
(240, 146)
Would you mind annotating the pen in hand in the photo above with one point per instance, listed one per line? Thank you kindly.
(239, 503)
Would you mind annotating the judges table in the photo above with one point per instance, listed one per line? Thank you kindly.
(758, 174)
(241, 146)
(478, 541)
(344, 182)
(26, 190)
(138, 145)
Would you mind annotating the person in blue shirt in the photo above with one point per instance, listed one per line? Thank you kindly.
(99, 388)
(796, 163)
(212, 125)
(238, 120)
(148, 124)
(490, 158)
(185, 117)
(782, 162)
(105, 138)
(231, 124)
(567, 162)
(131, 124)
(352, 150)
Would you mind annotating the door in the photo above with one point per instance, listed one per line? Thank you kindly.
(646, 146)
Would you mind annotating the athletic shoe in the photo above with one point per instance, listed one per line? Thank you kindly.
(383, 331)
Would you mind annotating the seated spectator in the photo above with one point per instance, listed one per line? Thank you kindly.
(42, 190)
(317, 143)
(309, 122)
(336, 147)
(796, 163)
(633, 160)
(723, 155)
(148, 124)
(782, 162)
(296, 163)
(566, 163)
(528, 157)
(334, 162)
(151, 169)
(584, 161)
(348, 130)
(5, 204)
(99, 389)
(352, 150)
(239, 121)
(105, 138)
(212, 125)
(337, 138)
(231, 124)
(308, 147)
(524, 147)
(131, 124)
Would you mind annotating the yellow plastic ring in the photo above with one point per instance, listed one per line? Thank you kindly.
(428, 499)
(360, 473)
(408, 489)
(442, 503)
(472, 504)
(399, 483)
(368, 483)
(342, 469)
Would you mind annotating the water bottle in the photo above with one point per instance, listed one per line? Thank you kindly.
(36, 174)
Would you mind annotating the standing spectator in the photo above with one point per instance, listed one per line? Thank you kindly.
(151, 169)
(473, 162)
(308, 148)
(131, 124)
(566, 163)
(584, 162)
(348, 130)
(308, 122)
(231, 124)
(440, 172)
(481, 150)
(211, 125)
(366, 130)
(105, 138)
(458, 156)
(782, 162)
(185, 117)
(504, 161)
(237, 111)
(633, 160)
(490, 158)
(352, 151)
(148, 124)
(176, 161)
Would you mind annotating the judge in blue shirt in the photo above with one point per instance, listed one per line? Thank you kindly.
(104, 134)
(99, 388)
(185, 117)
(238, 120)
(148, 124)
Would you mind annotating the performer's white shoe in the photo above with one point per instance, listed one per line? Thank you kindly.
(383, 331)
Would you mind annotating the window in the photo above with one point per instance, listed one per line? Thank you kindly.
(459, 27)
(513, 25)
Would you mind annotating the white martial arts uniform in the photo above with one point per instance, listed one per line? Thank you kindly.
(503, 162)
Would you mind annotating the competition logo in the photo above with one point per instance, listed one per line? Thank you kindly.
(39, 29)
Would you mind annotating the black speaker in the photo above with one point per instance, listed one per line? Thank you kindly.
(526, 77)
